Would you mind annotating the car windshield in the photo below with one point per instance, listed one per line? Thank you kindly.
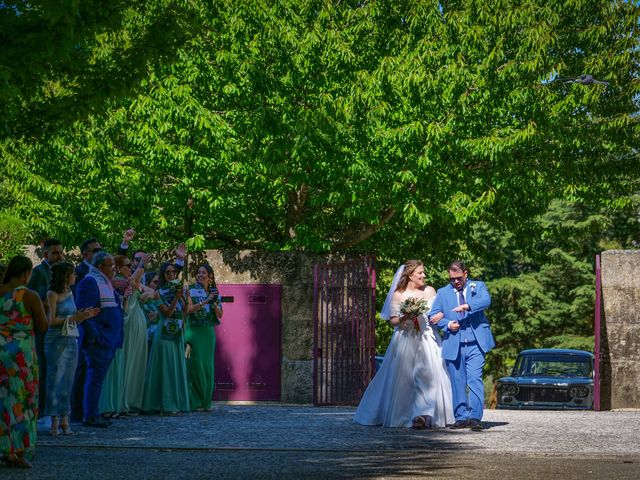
(557, 364)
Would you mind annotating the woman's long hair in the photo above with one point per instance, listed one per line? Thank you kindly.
(17, 266)
(163, 268)
(148, 278)
(60, 277)
(409, 267)
(209, 270)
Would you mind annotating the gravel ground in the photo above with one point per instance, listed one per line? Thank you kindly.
(279, 441)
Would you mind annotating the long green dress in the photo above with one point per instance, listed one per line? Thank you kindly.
(18, 376)
(166, 387)
(135, 354)
(112, 394)
(202, 337)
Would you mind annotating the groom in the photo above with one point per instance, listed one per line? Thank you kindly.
(458, 310)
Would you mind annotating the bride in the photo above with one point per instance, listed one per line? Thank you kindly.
(412, 387)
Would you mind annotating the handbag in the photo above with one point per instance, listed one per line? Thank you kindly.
(70, 328)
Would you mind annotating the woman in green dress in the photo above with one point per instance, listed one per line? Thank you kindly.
(166, 388)
(134, 348)
(111, 403)
(205, 311)
(150, 302)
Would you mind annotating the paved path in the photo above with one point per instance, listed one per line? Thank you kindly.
(277, 441)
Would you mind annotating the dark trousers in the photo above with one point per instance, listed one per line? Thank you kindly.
(42, 373)
(98, 359)
(77, 394)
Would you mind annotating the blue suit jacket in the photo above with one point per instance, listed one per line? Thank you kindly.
(478, 298)
(106, 328)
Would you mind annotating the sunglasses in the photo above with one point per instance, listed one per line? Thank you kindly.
(456, 279)
(96, 250)
(137, 259)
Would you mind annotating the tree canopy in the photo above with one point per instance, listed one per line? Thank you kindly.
(389, 126)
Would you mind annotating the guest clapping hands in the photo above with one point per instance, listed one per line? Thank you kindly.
(61, 345)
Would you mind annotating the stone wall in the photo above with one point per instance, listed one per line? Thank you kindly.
(620, 345)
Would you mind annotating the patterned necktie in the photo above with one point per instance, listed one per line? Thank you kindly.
(461, 299)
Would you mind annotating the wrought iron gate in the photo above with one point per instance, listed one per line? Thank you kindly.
(344, 331)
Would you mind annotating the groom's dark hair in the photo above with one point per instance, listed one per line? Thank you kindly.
(459, 266)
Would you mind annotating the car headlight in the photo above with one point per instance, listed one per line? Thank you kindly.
(508, 389)
(579, 392)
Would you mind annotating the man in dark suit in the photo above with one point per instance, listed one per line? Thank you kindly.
(39, 282)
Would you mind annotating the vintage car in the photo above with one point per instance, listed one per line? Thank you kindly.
(549, 379)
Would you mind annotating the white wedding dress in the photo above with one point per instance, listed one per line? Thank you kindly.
(412, 380)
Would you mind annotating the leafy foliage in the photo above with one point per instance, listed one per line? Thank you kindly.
(390, 126)
(13, 236)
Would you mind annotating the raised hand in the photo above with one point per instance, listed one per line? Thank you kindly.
(128, 236)
(144, 260)
(181, 251)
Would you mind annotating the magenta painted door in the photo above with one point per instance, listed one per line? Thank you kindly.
(248, 343)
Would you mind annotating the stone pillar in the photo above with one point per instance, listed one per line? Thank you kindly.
(621, 296)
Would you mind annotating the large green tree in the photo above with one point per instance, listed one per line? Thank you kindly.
(62, 60)
(390, 126)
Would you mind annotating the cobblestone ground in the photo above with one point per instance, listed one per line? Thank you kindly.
(276, 441)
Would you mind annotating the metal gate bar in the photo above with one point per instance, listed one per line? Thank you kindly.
(344, 331)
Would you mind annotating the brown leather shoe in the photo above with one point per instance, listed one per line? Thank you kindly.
(459, 425)
(475, 425)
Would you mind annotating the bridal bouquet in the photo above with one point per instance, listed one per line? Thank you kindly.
(413, 307)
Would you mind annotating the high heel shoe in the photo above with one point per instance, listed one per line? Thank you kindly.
(17, 462)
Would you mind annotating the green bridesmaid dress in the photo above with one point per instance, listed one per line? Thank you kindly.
(200, 334)
(135, 355)
(166, 388)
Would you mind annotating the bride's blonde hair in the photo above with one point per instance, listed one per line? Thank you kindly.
(409, 267)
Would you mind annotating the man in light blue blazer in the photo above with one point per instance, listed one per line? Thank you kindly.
(458, 310)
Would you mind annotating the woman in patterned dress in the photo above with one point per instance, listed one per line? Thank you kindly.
(21, 311)
(205, 310)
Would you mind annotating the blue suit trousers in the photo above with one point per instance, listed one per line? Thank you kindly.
(466, 370)
(98, 359)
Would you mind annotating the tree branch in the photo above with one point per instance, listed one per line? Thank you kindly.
(360, 233)
(295, 209)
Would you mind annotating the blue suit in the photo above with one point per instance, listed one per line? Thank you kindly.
(465, 350)
(99, 338)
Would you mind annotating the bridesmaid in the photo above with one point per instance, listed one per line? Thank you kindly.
(205, 310)
(166, 389)
(61, 351)
(21, 311)
(150, 301)
(134, 348)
